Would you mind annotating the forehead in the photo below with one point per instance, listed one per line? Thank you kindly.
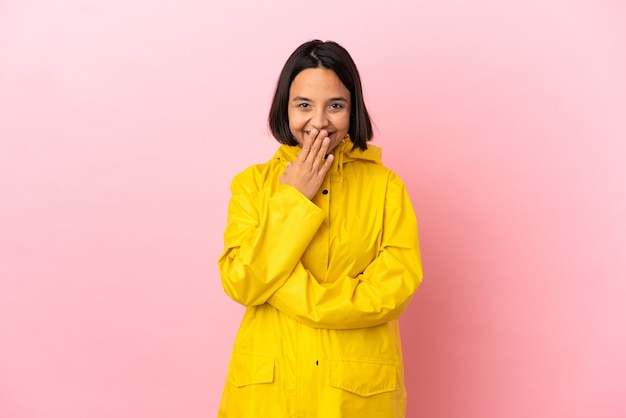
(318, 83)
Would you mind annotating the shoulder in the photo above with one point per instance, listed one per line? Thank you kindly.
(376, 171)
(370, 161)
(252, 177)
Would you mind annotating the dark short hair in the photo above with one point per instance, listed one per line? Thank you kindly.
(332, 56)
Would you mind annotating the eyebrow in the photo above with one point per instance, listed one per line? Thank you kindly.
(333, 99)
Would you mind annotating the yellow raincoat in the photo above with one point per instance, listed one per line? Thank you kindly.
(324, 282)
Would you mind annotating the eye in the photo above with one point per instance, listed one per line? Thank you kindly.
(303, 105)
(336, 106)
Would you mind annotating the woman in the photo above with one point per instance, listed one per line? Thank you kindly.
(321, 247)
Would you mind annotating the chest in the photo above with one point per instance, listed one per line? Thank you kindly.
(350, 237)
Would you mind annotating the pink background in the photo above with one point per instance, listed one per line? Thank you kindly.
(123, 122)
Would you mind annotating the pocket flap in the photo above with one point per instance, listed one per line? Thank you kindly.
(250, 369)
(363, 378)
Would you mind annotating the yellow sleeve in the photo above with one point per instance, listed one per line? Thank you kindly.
(264, 238)
(377, 295)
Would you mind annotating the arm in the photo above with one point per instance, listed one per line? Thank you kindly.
(377, 295)
(264, 239)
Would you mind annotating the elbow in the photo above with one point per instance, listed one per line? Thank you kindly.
(242, 296)
(240, 285)
(242, 290)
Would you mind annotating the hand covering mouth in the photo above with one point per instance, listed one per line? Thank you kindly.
(328, 134)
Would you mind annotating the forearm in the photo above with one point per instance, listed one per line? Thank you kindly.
(378, 295)
(261, 252)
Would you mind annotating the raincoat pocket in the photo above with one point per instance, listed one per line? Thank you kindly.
(364, 378)
(250, 369)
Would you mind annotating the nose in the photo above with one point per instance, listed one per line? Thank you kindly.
(319, 119)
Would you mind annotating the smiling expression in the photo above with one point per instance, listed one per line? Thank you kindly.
(319, 100)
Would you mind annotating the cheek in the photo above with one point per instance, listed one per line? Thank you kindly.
(343, 122)
(295, 122)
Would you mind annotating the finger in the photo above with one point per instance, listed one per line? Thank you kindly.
(287, 168)
(325, 145)
(284, 176)
(306, 146)
(321, 153)
(316, 146)
(326, 166)
(323, 150)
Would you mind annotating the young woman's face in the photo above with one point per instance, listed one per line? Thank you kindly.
(319, 100)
